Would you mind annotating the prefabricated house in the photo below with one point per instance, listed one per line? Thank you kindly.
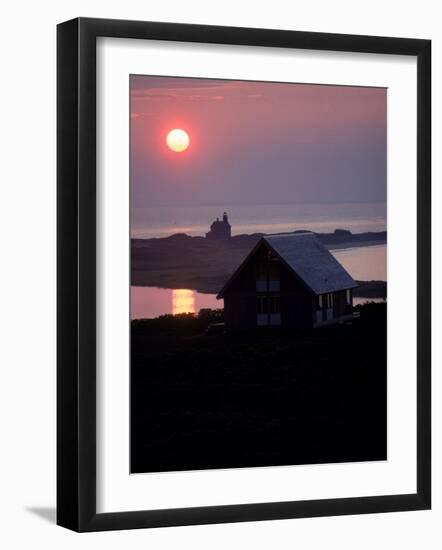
(289, 281)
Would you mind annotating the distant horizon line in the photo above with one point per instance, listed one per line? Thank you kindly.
(337, 230)
(224, 204)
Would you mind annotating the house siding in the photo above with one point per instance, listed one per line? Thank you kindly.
(240, 311)
(240, 302)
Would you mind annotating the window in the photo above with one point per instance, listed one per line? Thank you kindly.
(329, 307)
(348, 296)
(268, 305)
(268, 311)
(267, 276)
(275, 305)
(325, 301)
(328, 300)
(262, 315)
(262, 306)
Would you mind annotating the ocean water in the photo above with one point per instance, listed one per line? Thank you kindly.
(365, 263)
(148, 302)
(162, 221)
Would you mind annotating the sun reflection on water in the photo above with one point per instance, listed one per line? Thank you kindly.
(183, 301)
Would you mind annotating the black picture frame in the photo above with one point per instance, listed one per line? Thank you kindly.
(76, 274)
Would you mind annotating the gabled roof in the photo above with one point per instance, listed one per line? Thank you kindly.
(308, 259)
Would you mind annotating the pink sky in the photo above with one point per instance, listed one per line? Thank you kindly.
(256, 142)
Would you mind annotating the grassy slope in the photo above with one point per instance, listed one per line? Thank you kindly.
(257, 399)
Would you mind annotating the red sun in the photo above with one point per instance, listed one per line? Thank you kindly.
(178, 140)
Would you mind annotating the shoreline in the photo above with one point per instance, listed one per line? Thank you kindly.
(203, 265)
(371, 289)
(345, 246)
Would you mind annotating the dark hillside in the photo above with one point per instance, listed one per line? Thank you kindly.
(203, 401)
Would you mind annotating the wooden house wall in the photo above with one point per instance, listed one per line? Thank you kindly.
(297, 302)
(339, 303)
(240, 311)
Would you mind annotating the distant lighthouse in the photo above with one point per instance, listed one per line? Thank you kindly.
(220, 230)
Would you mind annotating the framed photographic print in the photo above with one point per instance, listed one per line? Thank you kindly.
(243, 274)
